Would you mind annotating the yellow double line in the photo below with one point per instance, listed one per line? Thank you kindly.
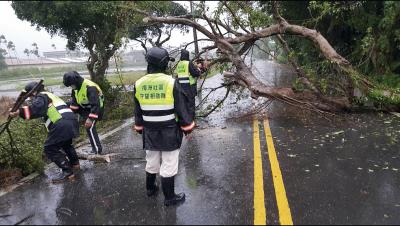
(285, 216)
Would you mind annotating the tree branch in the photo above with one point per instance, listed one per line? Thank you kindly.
(219, 103)
(210, 24)
(203, 39)
(159, 36)
(173, 20)
(235, 18)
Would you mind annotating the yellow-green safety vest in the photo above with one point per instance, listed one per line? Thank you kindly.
(55, 109)
(155, 93)
(81, 95)
(182, 70)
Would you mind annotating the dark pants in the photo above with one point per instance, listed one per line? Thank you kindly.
(94, 138)
(61, 159)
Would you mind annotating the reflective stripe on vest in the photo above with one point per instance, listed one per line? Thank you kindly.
(155, 95)
(55, 109)
(182, 70)
(81, 95)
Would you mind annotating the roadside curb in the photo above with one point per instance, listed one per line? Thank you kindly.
(395, 114)
(78, 146)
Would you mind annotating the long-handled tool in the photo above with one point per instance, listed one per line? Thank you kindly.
(20, 100)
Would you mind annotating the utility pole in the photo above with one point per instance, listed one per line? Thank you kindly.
(196, 44)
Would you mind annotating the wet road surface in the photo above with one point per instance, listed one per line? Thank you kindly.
(344, 171)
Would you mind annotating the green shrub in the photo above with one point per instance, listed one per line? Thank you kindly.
(28, 137)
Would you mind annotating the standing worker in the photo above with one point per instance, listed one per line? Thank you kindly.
(161, 116)
(187, 74)
(88, 102)
(61, 125)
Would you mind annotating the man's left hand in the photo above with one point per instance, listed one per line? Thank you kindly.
(88, 123)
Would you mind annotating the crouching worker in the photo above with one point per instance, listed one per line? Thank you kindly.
(61, 125)
(162, 115)
(88, 102)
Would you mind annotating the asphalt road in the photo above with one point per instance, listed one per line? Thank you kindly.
(283, 167)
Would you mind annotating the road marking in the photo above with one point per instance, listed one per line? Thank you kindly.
(285, 217)
(260, 217)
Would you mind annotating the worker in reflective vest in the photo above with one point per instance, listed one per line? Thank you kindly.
(61, 125)
(187, 74)
(161, 116)
(88, 102)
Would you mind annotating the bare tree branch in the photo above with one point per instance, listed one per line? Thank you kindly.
(198, 40)
(210, 24)
(217, 105)
(184, 21)
(159, 36)
(246, 46)
(166, 39)
(265, 51)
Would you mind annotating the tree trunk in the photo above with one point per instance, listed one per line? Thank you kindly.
(97, 65)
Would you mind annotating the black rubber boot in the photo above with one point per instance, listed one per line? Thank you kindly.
(66, 173)
(168, 187)
(151, 186)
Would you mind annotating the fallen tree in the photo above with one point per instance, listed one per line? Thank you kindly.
(234, 42)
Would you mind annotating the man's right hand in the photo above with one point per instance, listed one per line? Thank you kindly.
(188, 129)
(187, 132)
(13, 114)
(138, 129)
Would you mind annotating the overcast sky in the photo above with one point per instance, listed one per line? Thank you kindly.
(23, 34)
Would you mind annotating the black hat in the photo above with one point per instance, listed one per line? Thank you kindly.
(158, 57)
(32, 85)
(71, 78)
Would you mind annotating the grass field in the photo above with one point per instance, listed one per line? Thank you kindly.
(35, 72)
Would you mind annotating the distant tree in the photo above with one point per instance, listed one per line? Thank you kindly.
(35, 50)
(27, 53)
(54, 46)
(3, 40)
(98, 26)
(3, 64)
(11, 47)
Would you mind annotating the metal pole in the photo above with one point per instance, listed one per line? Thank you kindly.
(196, 44)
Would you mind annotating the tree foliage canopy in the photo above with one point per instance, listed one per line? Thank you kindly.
(98, 26)
(366, 32)
(144, 33)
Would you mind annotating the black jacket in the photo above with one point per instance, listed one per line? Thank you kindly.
(165, 137)
(63, 130)
(94, 102)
